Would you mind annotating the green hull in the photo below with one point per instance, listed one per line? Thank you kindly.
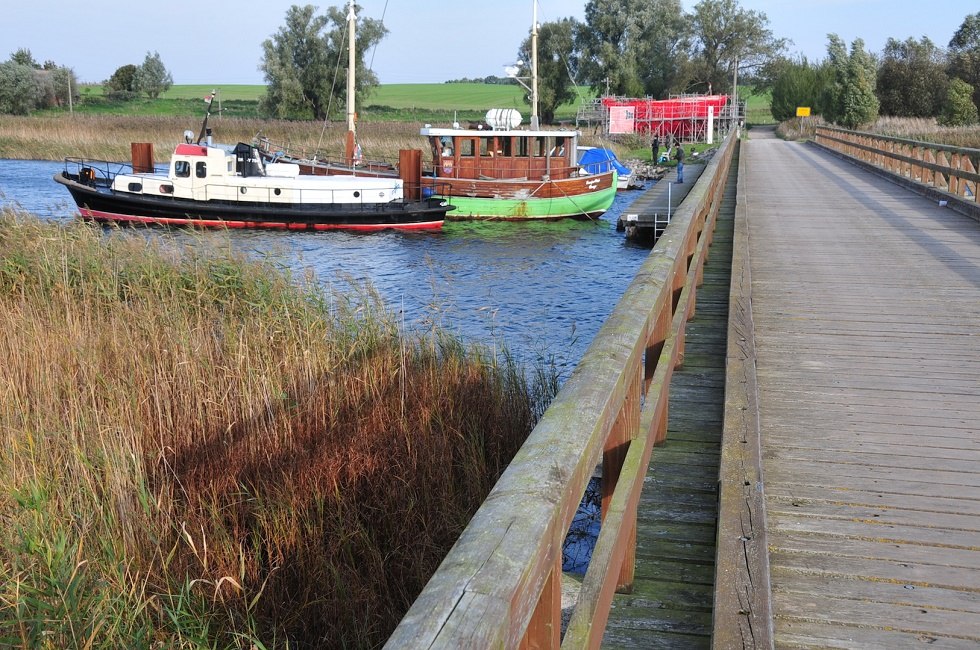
(588, 205)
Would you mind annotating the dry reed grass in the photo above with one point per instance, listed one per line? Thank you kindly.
(108, 137)
(909, 128)
(198, 450)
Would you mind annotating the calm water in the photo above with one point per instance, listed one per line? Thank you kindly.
(541, 289)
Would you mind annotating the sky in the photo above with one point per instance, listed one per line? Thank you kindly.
(219, 42)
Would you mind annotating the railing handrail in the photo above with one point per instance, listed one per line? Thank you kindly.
(500, 585)
(914, 143)
(950, 172)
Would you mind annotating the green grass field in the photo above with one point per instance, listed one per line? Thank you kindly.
(437, 103)
(397, 99)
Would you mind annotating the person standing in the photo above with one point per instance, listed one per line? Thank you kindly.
(655, 149)
(679, 156)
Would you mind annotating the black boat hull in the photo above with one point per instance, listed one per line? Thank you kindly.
(102, 204)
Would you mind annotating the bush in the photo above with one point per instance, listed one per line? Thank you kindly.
(959, 109)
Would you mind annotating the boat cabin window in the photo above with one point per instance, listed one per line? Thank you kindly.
(201, 169)
(537, 147)
(182, 169)
(485, 149)
(247, 162)
(503, 147)
(559, 148)
(466, 148)
(522, 147)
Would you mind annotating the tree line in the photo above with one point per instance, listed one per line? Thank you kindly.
(910, 78)
(26, 85)
(634, 48)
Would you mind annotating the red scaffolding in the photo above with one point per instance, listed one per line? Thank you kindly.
(685, 117)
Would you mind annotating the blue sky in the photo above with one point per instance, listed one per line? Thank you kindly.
(219, 41)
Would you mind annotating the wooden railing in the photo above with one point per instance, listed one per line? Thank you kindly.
(500, 585)
(942, 167)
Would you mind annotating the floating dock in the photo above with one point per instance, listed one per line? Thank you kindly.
(647, 217)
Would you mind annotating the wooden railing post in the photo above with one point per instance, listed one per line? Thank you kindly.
(544, 630)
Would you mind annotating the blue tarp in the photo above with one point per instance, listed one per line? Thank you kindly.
(598, 160)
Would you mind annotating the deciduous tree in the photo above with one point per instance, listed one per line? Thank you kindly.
(633, 48)
(153, 77)
(964, 54)
(305, 62)
(557, 63)
(19, 89)
(912, 79)
(959, 109)
(122, 83)
(725, 36)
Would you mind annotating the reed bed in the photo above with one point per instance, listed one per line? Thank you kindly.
(108, 137)
(198, 450)
(909, 128)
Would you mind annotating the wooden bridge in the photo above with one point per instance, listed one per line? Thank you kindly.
(786, 408)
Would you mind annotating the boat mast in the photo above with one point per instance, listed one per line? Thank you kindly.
(351, 63)
(534, 65)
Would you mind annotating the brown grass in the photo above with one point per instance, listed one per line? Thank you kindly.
(105, 137)
(921, 129)
(197, 450)
(108, 137)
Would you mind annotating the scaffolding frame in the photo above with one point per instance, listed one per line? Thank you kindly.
(680, 118)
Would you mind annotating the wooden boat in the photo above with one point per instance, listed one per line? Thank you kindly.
(496, 170)
(499, 171)
(232, 187)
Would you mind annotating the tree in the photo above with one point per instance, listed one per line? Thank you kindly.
(152, 77)
(632, 48)
(851, 100)
(122, 83)
(557, 62)
(726, 36)
(912, 79)
(19, 91)
(24, 57)
(64, 81)
(964, 54)
(959, 109)
(306, 67)
(794, 83)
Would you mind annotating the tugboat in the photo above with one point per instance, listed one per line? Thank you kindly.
(231, 187)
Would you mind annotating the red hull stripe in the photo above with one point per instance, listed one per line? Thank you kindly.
(272, 225)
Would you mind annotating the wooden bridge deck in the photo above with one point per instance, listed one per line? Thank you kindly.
(866, 307)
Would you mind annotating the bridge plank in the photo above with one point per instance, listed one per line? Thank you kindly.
(867, 303)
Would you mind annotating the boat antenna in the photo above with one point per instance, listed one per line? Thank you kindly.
(351, 63)
(207, 114)
(534, 66)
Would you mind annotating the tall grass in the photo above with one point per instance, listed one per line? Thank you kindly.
(197, 450)
(108, 137)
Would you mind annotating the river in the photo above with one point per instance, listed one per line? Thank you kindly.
(542, 290)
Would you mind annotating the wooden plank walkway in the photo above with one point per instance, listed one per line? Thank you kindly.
(671, 603)
(866, 305)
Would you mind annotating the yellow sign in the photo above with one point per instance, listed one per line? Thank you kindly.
(802, 111)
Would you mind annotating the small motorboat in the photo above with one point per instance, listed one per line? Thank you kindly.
(596, 160)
